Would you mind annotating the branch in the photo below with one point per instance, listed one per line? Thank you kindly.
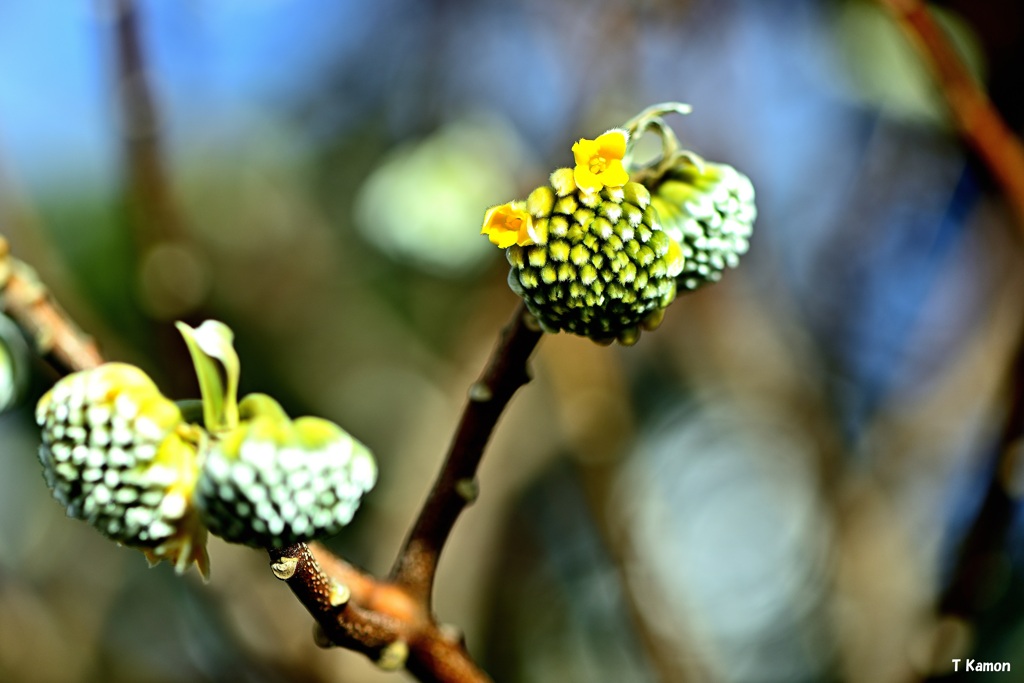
(391, 621)
(343, 621)
(983, 551)
(979, 122)
(456, 486)
(148, 187)
(28, 303)
(378, 619)
(993, 141)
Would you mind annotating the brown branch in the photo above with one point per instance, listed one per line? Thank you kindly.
(456, 487)
(152, 211)
(343, 620)
(378, 619)
(979, 122)
(982, 553)
(392, 621)
(440, 657)
(28, 303)
(148, 187)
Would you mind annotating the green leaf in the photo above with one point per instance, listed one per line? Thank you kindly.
(217, 368)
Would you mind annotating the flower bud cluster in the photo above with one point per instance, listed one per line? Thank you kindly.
(274, 481)
(709, 209)
(600, 265)
(603, 249)
(119, 455)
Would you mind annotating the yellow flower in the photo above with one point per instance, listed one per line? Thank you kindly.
(508, 224)
(599, 162)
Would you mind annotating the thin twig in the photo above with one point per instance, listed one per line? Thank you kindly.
(28, 303)
(456, 485)
(979, 122)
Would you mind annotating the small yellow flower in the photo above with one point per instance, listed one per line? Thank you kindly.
(508, 224)
(599, 162)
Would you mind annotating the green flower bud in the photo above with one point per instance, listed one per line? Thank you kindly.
(117, 454)
(599, 264)
(709, 209)
(273, 481)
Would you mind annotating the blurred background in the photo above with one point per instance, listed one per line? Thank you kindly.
(773, 487)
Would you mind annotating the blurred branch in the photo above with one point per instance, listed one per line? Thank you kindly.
(148, 187)
(974, 584)
(153, 214)
(29, 304)
(979, 122)
(983, 551)
(456, 484)
(980, 573)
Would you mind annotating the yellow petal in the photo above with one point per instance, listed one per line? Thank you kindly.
(611, 145)
(615, 175)
(489, 219)
(507, 224)
(585, 180)
(500, 237)
(504, 239)
(524, 239)
(583, 150)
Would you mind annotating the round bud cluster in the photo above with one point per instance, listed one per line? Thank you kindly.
(599, 265)
(709, 209)
(272, 481)
(116, 453)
